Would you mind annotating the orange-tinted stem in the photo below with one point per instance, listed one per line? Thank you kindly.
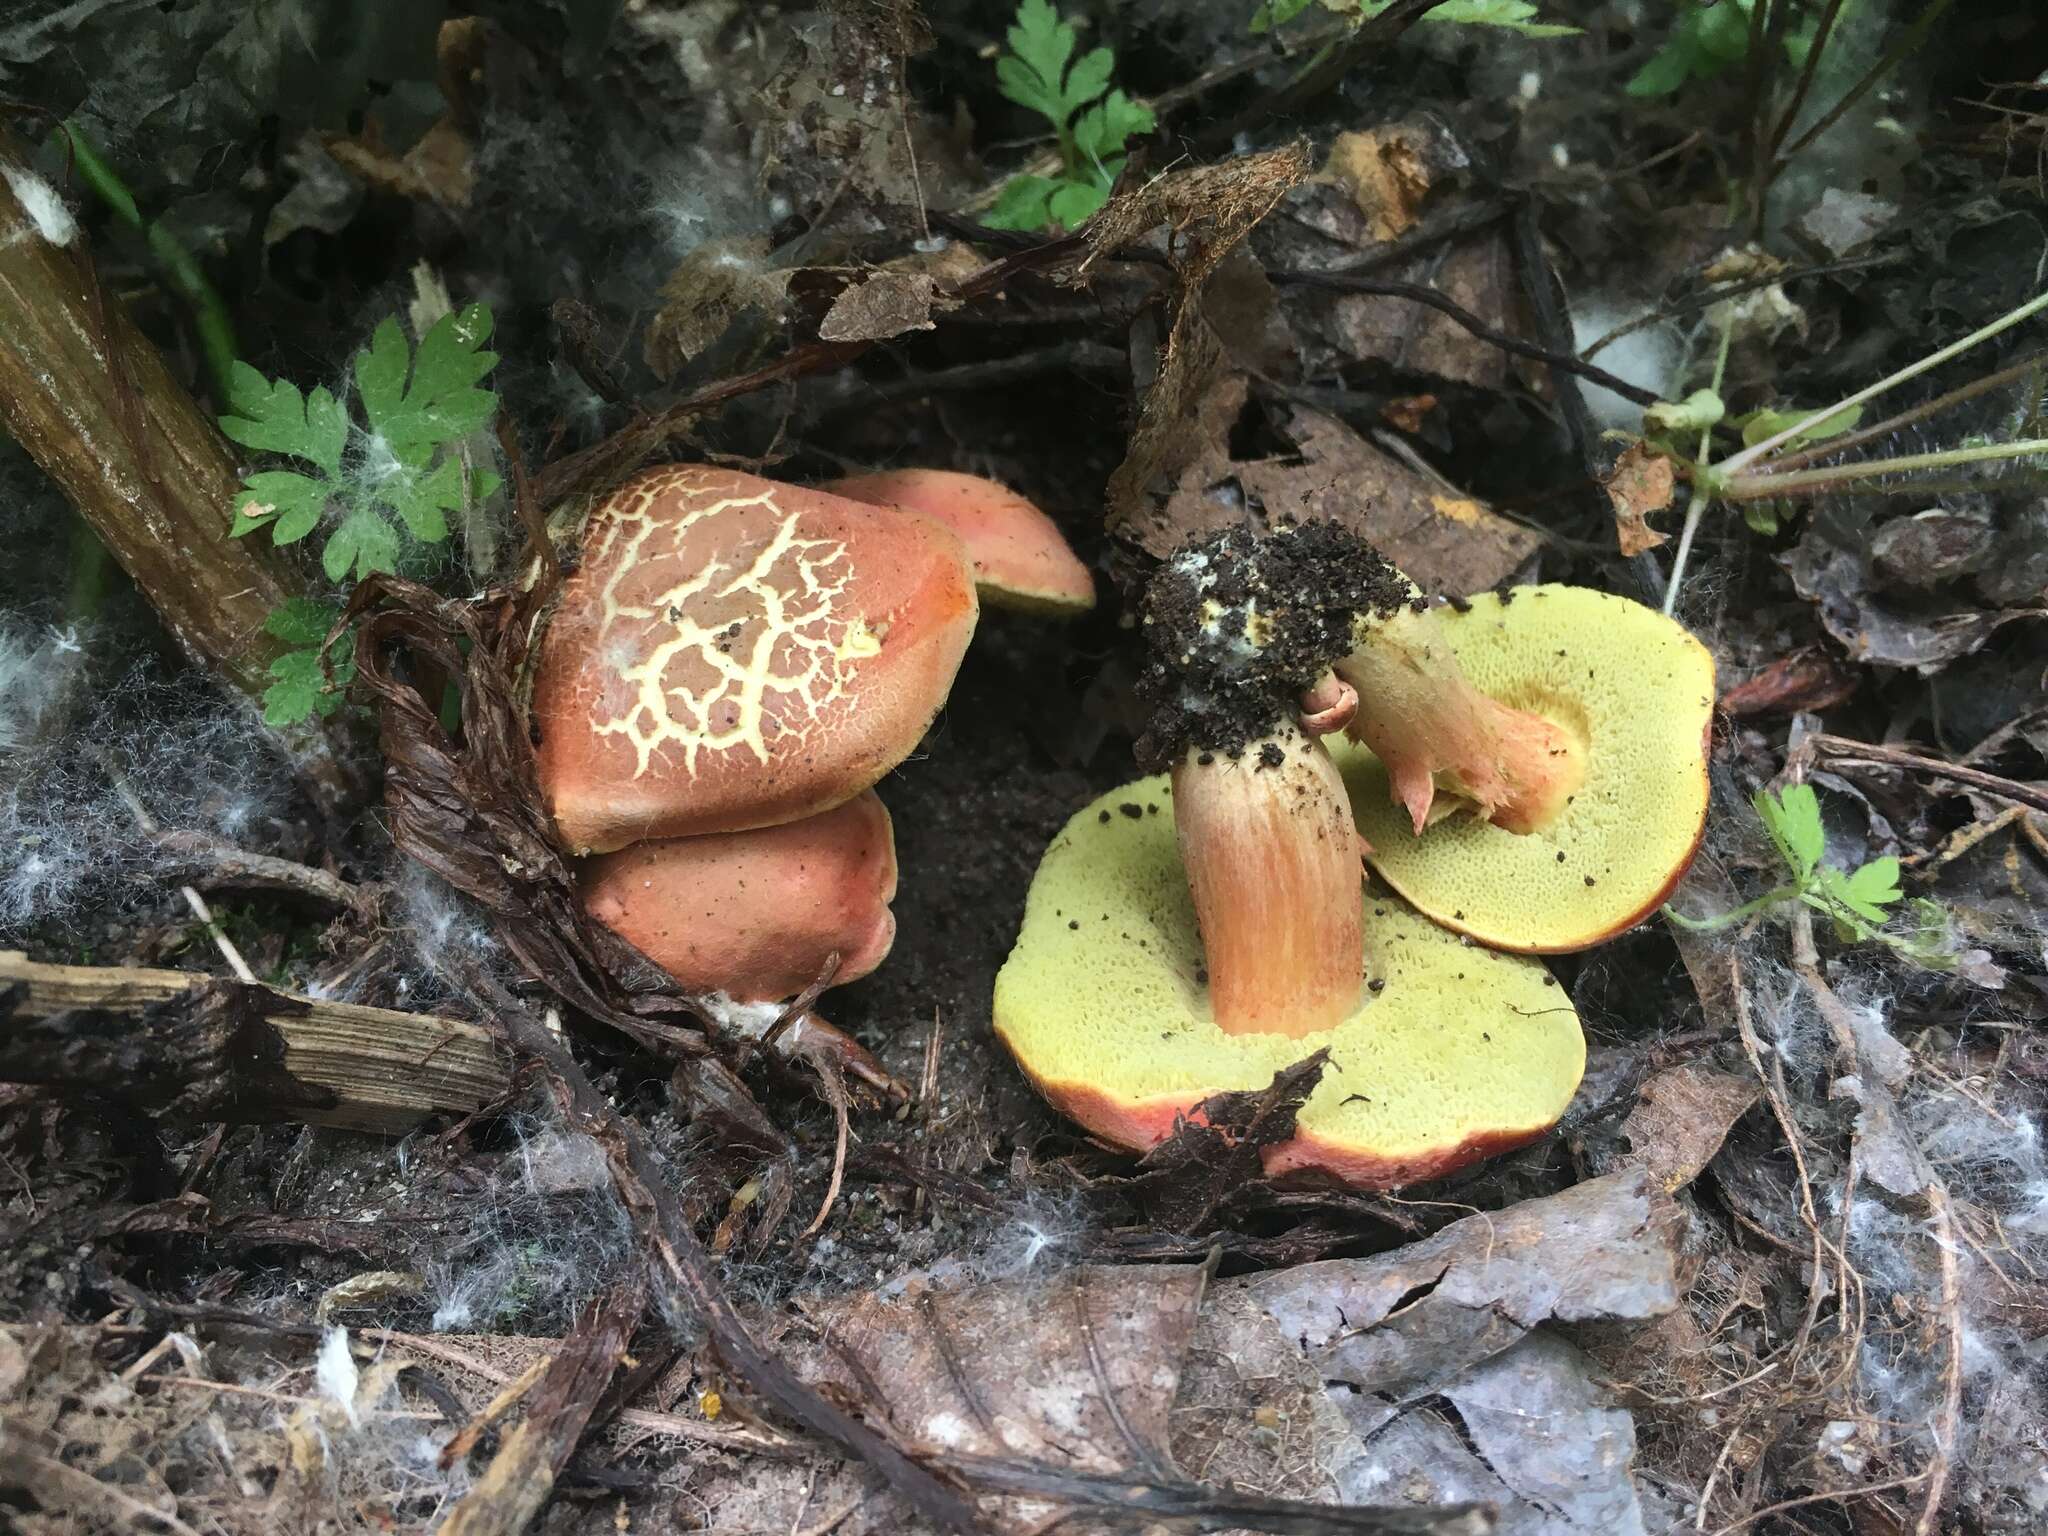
(1435, 731)
(1273, 864)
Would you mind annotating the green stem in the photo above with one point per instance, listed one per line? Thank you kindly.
(1734, 915)
(1757, 487)
(2004, 322)
(181, 272)
(1702, 484)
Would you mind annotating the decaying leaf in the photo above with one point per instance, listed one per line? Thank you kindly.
(1838, 578)
(711, 287)
(1423, 1375)
(439, 168)
(1188, 1178)
(1446, 542)
(1387, 172)
(1407, 1322)
(1809, 680)
(1682, 1116)
(1207, 210)
(882, 305)
(1641, 483)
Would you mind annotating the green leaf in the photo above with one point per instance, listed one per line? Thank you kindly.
(364, 542)
(1088, 79)
(1668, 68)
(484, 484)
(421, 499)
(440, 403)
(1762, 517)
(1759, 425)
(299, 691)
(1695, 413)
(1023, 204)
(302, 621)
(1102, 131)
(1074, 203)
(276, 418)
(1515, 15)
(1793, 821)
(288, 502)
(1875, 887)
(1031, 73)
(1277, 13)
(381, 369)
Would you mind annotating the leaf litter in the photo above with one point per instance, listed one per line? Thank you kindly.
(1784, 1253)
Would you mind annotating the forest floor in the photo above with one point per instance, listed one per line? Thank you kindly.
(1782, 1266)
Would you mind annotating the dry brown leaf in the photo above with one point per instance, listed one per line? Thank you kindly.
(1208, 210)
(1407, 413)
(1682, 1116)
(1387, 172)
(1445, 542)
(882, 305)
(1641, 482)
(711, 287)
(440, 168)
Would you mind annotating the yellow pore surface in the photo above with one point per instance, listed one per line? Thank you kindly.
(1103, 1002)
(1637, 691)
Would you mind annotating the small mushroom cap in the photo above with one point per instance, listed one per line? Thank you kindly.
(1460, 1054)
(756, 915)
(1636, 692)
(1021, 559)
(735, 653)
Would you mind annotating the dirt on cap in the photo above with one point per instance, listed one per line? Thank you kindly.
(1237, 624)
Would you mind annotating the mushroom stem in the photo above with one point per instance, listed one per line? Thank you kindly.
(1272, 860)
(1422, 717)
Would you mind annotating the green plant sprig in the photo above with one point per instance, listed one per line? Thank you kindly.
(395, 475)
(1859, 902)
(1514, 15)
(1091, 122)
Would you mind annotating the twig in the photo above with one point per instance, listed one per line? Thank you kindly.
(1913, 370)
(1805, 83)
(193, 899)
(213, 861)
(1907, 45)
(835, 1093)
(1416, 293)
(1713, 296)
(1063, 357)
(1829, 447)
(1842, 750)
(1696, 508)
(1952, 1367)
(1834, 1495)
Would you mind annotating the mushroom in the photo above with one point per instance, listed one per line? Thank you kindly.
(734, 653)
(1571, 723)
(759, 915)
(1449, 1053)
(1189, 936)
(1021, 560)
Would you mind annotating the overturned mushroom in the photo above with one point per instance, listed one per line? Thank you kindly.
(734, 653)
(1191, 936)
(1020, 558)
(1571, 726)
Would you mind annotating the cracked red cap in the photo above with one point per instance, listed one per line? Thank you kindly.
(757, 915)
(735, 653)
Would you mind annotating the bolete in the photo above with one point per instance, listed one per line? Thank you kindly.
(1021, 560)
(1201, 929)
(1537, 773)
(759, 915)
(734, 653)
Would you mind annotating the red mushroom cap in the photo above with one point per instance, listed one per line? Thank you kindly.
(735, 653)
(1021, 559)
(757, 915)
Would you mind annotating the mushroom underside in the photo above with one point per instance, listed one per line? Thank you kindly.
(1453, 1053)
(1636, 691)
